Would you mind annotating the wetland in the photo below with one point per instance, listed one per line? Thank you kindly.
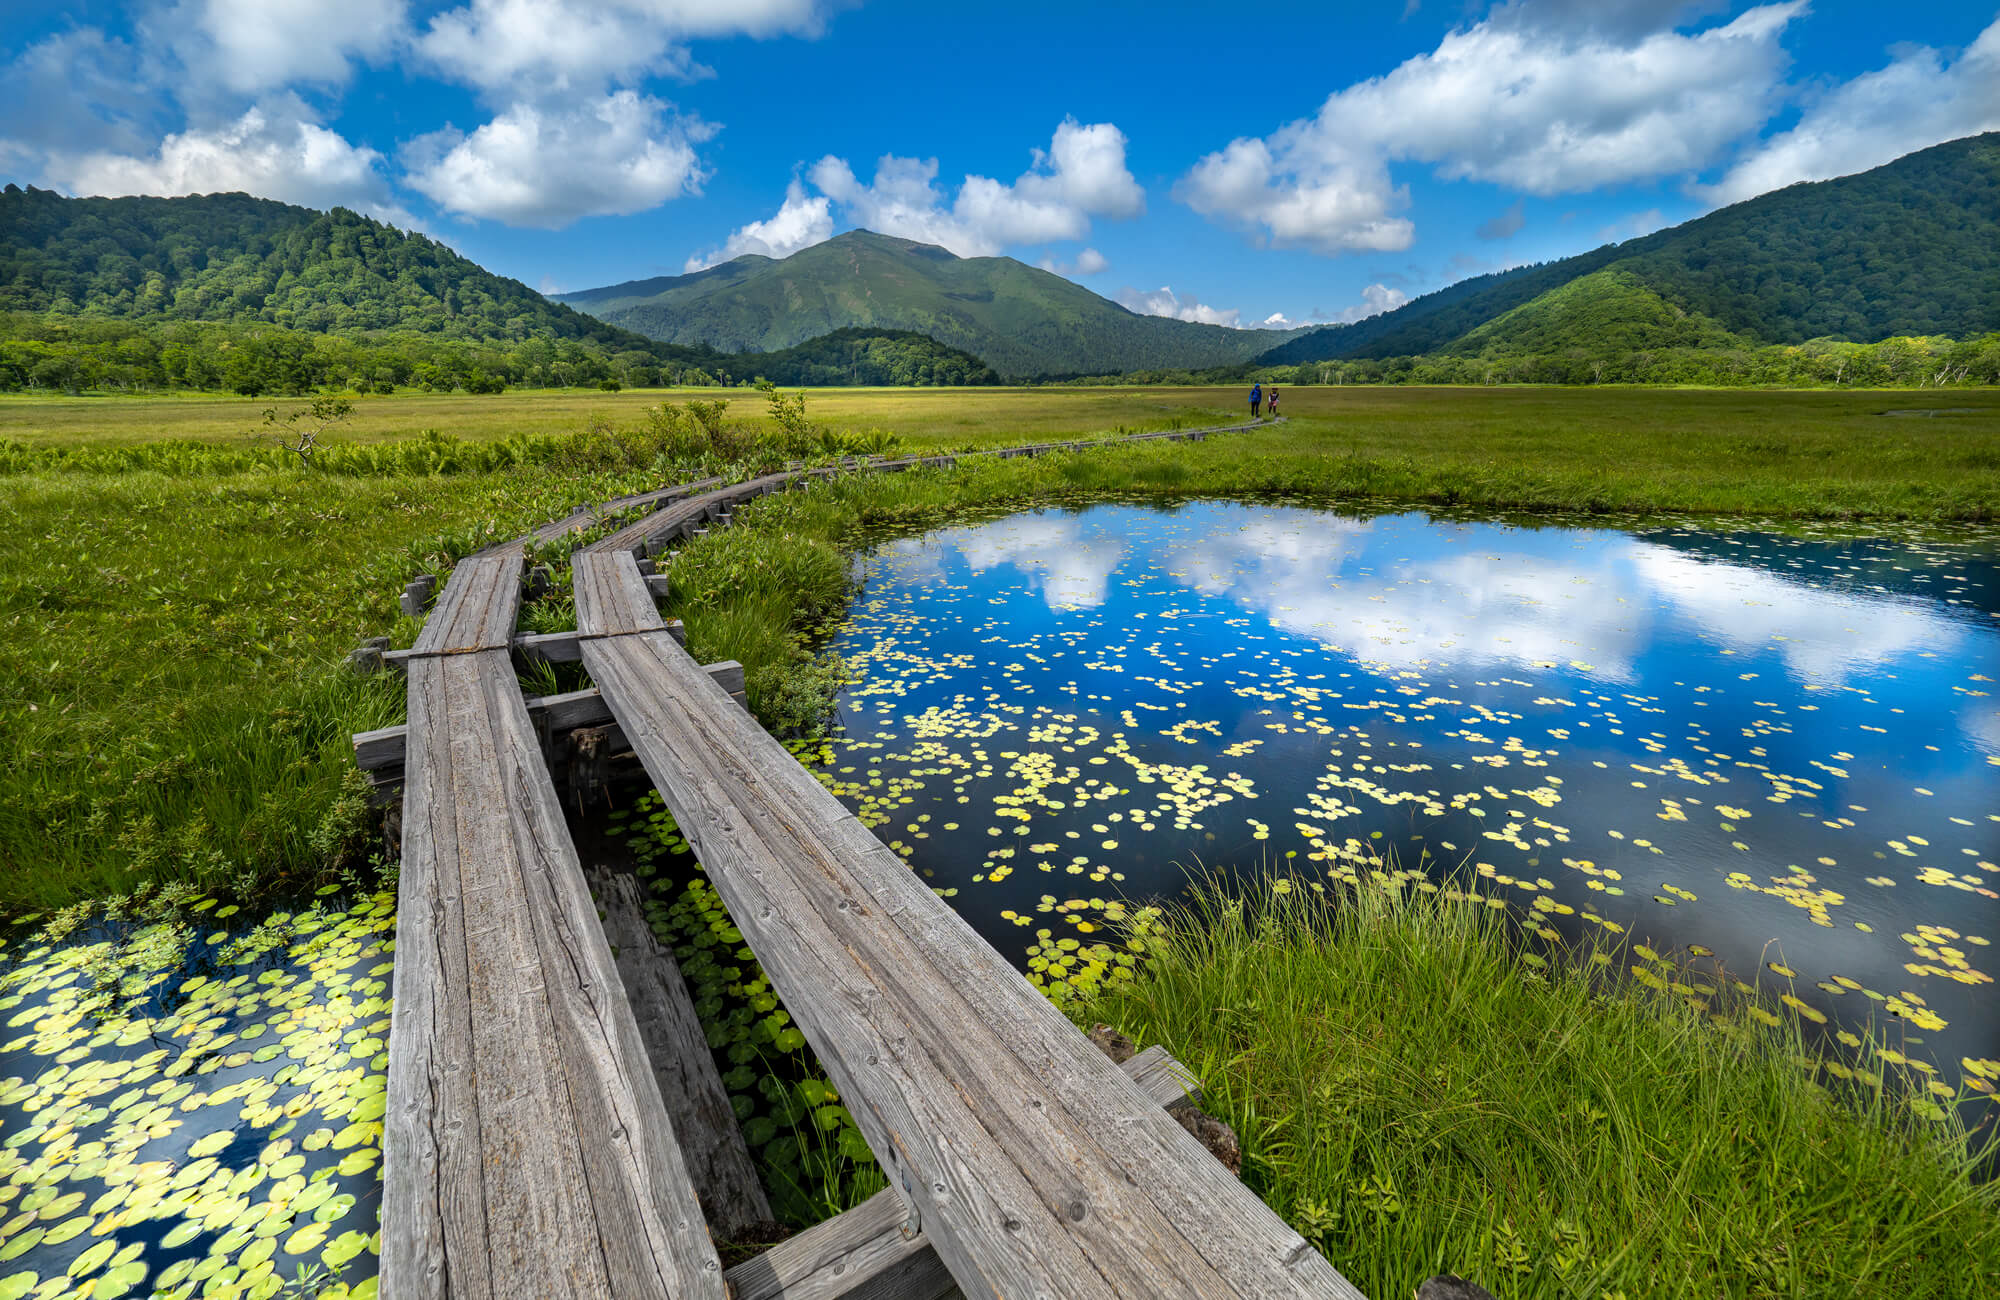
(1759, 751)
(1775, 754)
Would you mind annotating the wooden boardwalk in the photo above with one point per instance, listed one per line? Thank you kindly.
(528, 1145)
(525, 1154)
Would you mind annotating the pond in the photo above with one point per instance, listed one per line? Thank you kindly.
(1776, 753)
(191, 1102)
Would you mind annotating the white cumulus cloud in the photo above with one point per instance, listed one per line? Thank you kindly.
(802, 221)
(80, 90)
(252, 45)
(550, 166)
(275, 151)
(1920, 99)
(520, 49)
(1163, 301)
(1082, 174)
(1547, 110)
(573, 137)
(1088, 262)
(1375, 299)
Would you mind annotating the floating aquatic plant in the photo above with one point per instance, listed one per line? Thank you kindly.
(191, 1109)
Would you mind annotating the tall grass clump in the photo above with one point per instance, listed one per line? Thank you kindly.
(762, 597)
(1415, 1099)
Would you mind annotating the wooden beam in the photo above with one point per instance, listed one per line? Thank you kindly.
(704, 1123)
(526, 1148)
(682, 517)
(384, 748)
(588, 516)
(1033, 1164)
(538, 647)
(867, 1254)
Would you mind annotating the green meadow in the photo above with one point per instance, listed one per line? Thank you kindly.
(177, 595)
(1797, 453)
(178, 599)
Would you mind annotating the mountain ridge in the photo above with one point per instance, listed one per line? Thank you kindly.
(1021, 320)
(1910, 248)
(230, 258)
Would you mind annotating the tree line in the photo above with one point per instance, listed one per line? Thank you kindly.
(42, 353)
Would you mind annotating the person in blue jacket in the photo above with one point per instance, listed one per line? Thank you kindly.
(1256, 400)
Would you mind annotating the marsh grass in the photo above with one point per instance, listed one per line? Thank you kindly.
(173, 699)
(1414, 1099)
(1817, 454)
(176, 600)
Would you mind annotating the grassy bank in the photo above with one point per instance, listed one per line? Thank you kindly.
(1731, 450)
(177, 601)
(1415, 1099)
(173, 700)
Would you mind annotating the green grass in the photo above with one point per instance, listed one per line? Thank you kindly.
(176, 604)
(1416, 1099)
(173, 704)
(1806, 454)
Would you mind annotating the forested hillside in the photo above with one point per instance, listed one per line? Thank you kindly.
(1614, 310)
(232, 259)
(239, 294)
(869, 358)
(1911, 248)
(1022, 321)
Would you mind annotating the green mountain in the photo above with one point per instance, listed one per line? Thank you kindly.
(1614, 309)
(867, 359)
(233, 259)
(1020, 320)
(224, 291)
(1909, 248)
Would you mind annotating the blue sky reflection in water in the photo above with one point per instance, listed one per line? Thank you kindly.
(1784, 749)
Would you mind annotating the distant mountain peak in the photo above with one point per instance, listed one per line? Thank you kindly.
(1908, 248)
(1023, 321)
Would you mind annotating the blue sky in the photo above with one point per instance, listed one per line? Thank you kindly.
(1236, 163)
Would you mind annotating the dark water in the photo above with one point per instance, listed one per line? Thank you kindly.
(192, 1105)
(1783, 751)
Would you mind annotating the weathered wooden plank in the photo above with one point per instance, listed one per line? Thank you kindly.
(1033, 1164)
(540, 647)
(861, 1254)
(587, 517)
(704, 1124)
(1164, 1079)
(476, 609)
(527, 1149)
(681, 516)
(431, 1139)
(867, 1252)
(386, 747)
(648, 1230)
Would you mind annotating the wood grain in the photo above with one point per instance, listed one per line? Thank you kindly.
(719, 1162)
(865, 1254)
(527, 1150)
(1033, 1165)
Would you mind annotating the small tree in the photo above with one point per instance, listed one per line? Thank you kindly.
(300, 430)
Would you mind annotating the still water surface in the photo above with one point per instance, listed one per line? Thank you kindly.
(1779, 753)
(192, 1105)
(1780, 750)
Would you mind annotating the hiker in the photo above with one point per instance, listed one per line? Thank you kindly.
(1256, 400)
(1271, 405)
